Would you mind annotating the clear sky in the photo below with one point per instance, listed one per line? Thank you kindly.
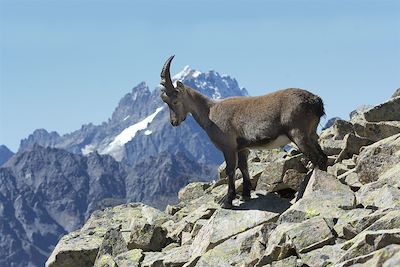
(66, 63)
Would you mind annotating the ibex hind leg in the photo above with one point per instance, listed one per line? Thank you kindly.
(242, 164)
(309, 147)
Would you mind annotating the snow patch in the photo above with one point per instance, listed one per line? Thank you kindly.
(88, 149)
(148, 132)
(126, 117)
(116, 147)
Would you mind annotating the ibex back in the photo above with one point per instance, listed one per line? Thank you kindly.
(238, 123)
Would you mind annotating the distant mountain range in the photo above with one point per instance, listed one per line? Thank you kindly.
(53, 183)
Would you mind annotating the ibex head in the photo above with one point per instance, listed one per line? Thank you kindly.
(173, 96)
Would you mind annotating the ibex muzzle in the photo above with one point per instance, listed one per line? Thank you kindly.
(238, 123)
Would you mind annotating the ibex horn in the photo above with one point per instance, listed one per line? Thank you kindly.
(166, 75)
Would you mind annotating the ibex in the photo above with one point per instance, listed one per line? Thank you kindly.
(238, 123)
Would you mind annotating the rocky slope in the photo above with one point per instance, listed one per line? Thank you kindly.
(347, 216)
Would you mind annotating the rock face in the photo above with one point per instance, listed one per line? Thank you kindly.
(5, 154)
(348, 216)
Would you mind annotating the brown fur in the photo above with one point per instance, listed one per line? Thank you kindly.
(237, 123)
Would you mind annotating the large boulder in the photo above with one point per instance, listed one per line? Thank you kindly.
(112, 245)
(388, 256)
(325, 256)
(130, 258)
(192, 191)
(226, 223)
(376, 131)
(387, 111)
(378, 158)
(286, 172)
(337, 131)
(324, 195)
(141, 227)
(369, 241)
(299, 237)
(174, 257)
(352, 145)
(234, 251)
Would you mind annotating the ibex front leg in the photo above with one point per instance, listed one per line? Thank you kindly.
(231, 159)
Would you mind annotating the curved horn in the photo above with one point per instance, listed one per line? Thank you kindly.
(166, 75)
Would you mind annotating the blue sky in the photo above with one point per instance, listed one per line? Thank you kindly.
(66, 63)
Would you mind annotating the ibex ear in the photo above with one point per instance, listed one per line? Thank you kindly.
(179, 86)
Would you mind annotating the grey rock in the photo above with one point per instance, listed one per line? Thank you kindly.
(130, 258)
(174, 257)
(351, 179)
(290, 169)
(376, 131)
(332, 197)
(192, 191)
(278, 246)
(322, 257)
(227, 223)
(385, 257)
(378, 158)
(351, 227)
(379, 195)
(287, 262)
(112, 245)
(337, 131)
(387, 111)
(147, 231)
(352, 145)
(331, 146)
(81, 247)
(389, 220)
(234, 251)
(369, 241)
(309, 235)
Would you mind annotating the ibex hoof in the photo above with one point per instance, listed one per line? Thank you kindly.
(245, 198)
(225, 203)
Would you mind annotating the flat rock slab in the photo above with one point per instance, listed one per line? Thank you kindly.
(234, 251)
(310, 234)
(325, 256)
(324, 195)
(226, 223)
(174, 257)
(369, 241)
(387, 111)
(388, 256)
(378, 158)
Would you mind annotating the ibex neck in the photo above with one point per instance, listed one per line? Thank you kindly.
(199, 105)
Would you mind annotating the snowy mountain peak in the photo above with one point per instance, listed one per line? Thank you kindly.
(186, 73)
